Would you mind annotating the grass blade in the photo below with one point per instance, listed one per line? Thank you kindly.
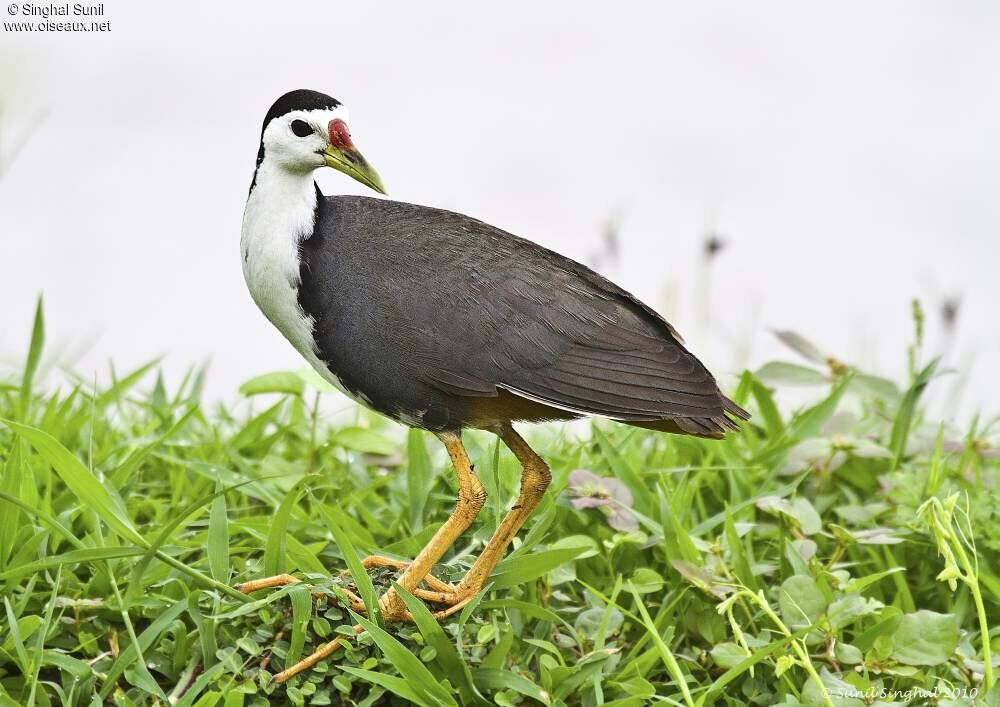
(392, 683)
(361, 579)
(31, 364)
(73, 557)
(664, 650)
(452, 666)
(84, 485)
(275, 547)
(903, 421)
(128, 467)
(301, 599)
(419, 477)
(145, 640)
(218, 539)
(409, 666)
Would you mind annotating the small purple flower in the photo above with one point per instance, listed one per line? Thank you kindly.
(610, 495)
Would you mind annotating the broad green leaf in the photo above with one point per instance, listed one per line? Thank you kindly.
(848, 654)
(881, 388)
(782, 373)
(527, 568)
(840, 692)
(801, 601)
(647, 581)
(728, 654)
(799, 510)
(590, 622)
(849, 608)
(285, 382)
(801, 345)
(311, 378)
(362, 439)
(492, 679)
(925, 638)
(804, 512)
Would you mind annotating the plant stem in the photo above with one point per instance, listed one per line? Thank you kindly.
(972, 580)
(800, 650)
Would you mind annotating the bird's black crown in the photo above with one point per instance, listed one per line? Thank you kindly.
(300, 99)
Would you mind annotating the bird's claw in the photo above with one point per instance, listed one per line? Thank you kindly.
(390, 606)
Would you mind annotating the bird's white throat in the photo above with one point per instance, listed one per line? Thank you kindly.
(280, 214)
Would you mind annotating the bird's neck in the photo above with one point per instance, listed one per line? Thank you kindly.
(283, 200)
(280, 214)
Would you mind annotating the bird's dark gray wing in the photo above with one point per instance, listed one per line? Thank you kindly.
(526, 319)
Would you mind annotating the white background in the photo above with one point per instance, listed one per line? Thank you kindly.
(847, 152)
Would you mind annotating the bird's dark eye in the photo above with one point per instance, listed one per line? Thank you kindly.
(301, 128)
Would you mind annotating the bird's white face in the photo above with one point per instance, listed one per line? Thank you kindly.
(296, 141)
(304, 140)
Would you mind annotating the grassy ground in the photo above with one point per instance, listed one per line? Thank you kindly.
(824, 557)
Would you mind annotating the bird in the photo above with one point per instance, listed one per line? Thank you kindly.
(445, 323)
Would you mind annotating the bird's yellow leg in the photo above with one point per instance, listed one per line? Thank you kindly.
(471, 498)
(535, 478)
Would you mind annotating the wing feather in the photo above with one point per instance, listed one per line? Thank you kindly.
(483, 310)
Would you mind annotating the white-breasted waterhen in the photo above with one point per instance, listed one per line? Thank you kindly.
(443, 322)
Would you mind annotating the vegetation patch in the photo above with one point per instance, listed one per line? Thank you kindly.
(840, 554)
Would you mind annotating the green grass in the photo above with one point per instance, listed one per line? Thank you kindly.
(846, 546)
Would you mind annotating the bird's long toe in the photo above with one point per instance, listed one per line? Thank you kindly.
(255, 585)
(433, 583)
(321, 653)
(281, 580)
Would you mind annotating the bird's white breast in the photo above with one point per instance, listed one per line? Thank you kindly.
(279, 214)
